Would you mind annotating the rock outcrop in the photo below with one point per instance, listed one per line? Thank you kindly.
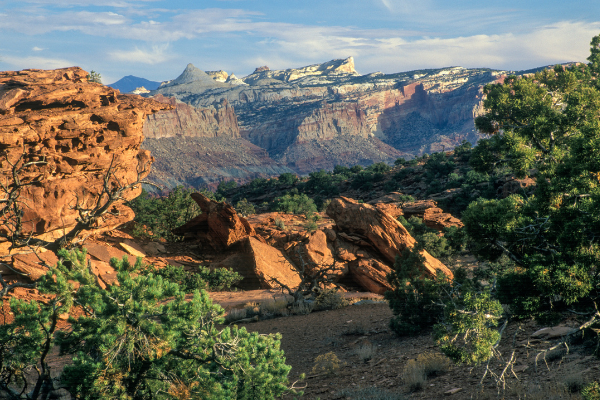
(365, 223)
(433, 216)
(218, 225)
(77, 129)
(259, 264)
(184, 120)
(202, 146)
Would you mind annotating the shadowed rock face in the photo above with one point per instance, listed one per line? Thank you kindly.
(78, 128)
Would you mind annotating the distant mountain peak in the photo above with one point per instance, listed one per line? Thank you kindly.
(192, 76)
(129, 83)
(338, 68)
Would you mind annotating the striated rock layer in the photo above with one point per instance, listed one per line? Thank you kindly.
(184, 120)
(78, 129)
(327, 114)
(202, 146)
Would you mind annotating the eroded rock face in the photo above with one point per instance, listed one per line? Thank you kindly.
(218, 225)
(259, 264)
(380, 230)
(78, 129)
(322, 115)
(188, 121)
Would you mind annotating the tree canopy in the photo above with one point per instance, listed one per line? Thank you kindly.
(545, 125)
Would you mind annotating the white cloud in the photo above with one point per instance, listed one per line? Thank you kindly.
(156, 55)
(35, 48)
(18, 63)
(555, 43)
(79, 3)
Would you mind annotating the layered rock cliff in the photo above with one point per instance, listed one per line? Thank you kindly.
(326, 114)
(201, 146)
(75, 130)
(216, 120)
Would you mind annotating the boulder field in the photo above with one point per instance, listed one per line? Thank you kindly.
(360, 240)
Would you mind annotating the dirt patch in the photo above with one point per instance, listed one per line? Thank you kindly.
(346, 331)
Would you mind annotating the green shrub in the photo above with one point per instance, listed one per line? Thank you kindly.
(218, 278)
(288, 178)
(414, 301)
(453, 239)
(462, 308)
(591, 391)
(225, 187)
(245, 208)
(379, 168)
(294, 204)
(311, 226)
(404, 173)
(324, 183)
(160, 215)
(439, 165)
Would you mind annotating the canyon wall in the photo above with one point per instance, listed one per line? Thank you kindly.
(319, 116)
(216, 120)
(202, 146)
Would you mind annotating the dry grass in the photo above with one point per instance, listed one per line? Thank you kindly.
(274, 308)
(433, 364)
(303, 308)
(235, 314)
(357, 328)
(426, 365)
(327, 363)
(366, 351)
(413, 376)
(330, 299)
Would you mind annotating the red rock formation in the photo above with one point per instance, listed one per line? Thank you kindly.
(382, 231)
(433, 216)
(371, 274)
(259, 263)
(218, 225)
(78, 128)
(321, 115)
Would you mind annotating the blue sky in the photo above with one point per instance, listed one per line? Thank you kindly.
(156, 39)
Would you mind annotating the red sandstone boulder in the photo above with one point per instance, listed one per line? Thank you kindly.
(433, 216)
(371, 274)
(382, 231)
(218, 225)
(77, 128)
(259, 263)
(31, 266)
